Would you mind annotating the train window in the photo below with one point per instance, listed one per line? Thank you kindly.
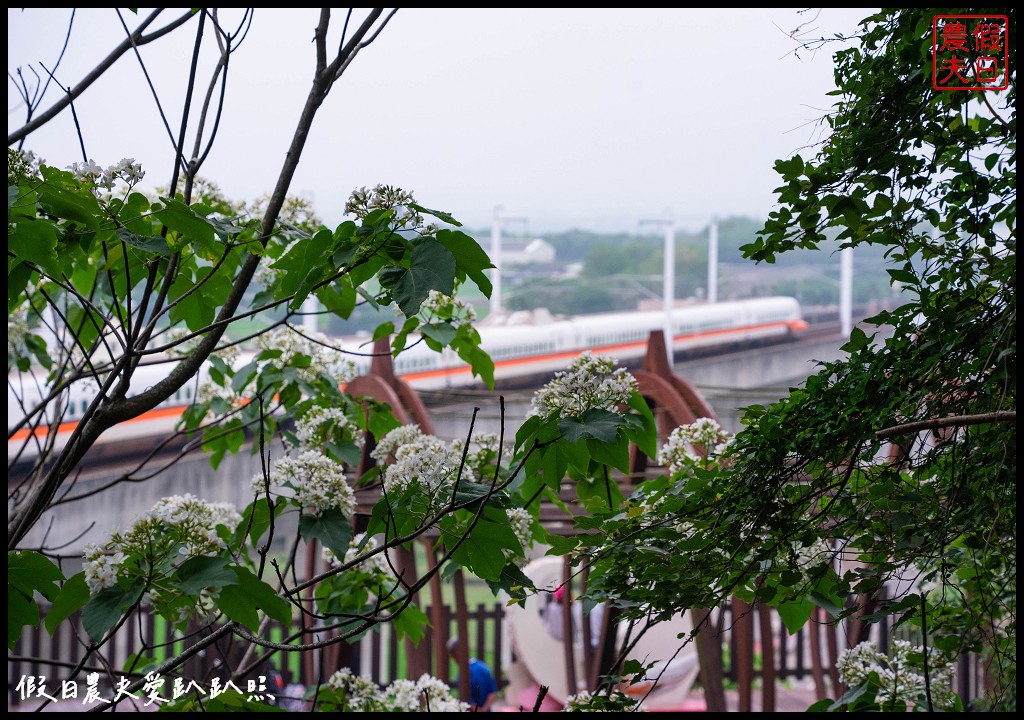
(84, 405)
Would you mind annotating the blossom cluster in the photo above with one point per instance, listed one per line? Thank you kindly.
(319, 424)
(318, 482)
(184, 348)
(520, 520)
(386, 197)
(101, 569)
(591, 382)
(17, 332)
(439, 307)
(808, 557)
(176, 528)
(361, 694)
(485, 452)
(422, 461)
(374, 563)
(22, 165)
(324, 359)
(688, 444)
(586, 701)
(127, 170)
(209, 391)
(900, 675)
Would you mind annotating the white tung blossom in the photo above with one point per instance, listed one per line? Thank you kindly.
(900, 676)
(373, 564)
(591, 382)
(101, 570)
(428, 694)
(182, 521)
(439, 307)
(583, 702)
(17, 332)
(325, 360)
(127, 170)
(361, 694)
(317, 424)
(319, 482)
(685, 445)
(430, 463)
(520, 520)
(184, 348)
(394, 439)
(420, 460)
(386, 197)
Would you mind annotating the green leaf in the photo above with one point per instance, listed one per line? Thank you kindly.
(30, 572)
(151, 244)
(233, 602)
(512, 581)
(330, 527)
(261, 517)
(794, 615)
(470, 258)
(71, 598)
(555, 462)
(21, 611)
(599, 493)
(613, 454)
(241, 601)
(80, 207)
(34, 241)
(479, 361)
(383, 330)
(199, 573)
(482, 551)
(104, 610)
(18, 275)
(858, 340)
(601, 425)
(645, 437)
(432, 267)
(411, 623)
(339, 297)
(439, 214)
(904, 276)
(443, 333)
(179, 217)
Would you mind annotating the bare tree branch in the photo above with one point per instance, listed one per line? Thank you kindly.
(952, 421)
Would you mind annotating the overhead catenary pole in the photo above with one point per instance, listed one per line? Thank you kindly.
(497, 305)
(496, 259)
(310, 313)
(713, 261)
(846, 291)
(669, 290)
(668, 279)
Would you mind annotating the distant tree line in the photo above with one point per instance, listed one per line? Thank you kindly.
(601, 272)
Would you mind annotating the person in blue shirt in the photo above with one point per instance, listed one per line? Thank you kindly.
(483, 688)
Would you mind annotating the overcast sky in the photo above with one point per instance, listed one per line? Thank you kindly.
(589, 118)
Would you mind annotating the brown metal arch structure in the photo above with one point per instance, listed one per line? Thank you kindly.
(675, 402)
(383, 385)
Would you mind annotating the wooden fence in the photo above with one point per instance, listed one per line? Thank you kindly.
(380, 655)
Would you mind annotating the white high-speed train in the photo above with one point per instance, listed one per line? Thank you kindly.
(524, 350)
(535, 349)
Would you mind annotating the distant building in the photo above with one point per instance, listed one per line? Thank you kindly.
(526, 251)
